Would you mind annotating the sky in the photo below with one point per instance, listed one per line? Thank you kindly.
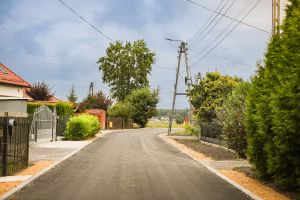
(44, 41)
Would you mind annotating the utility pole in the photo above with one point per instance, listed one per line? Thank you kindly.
(275, 16)
(91, 91)
(188, 80)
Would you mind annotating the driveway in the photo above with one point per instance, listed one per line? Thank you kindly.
(130, 165)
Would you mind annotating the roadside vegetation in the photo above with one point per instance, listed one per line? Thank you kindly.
(82, 127)
(125, 68)
(259, 119)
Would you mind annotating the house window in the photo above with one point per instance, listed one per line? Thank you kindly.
(2, 70)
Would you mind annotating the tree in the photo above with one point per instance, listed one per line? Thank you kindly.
(231, 117)
(120, 109)
(98, 101)
(143, 104)
(72, 97)
(209, 93)
(40, 92)
(272, 116)
(125, 67)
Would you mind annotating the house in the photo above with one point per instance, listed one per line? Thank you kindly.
(11, 91)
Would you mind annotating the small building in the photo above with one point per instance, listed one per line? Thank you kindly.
(11, 91)
(100, 114)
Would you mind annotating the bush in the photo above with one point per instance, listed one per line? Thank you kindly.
(82, 127)
(120, 109)
(191, 130)
(62, 108)
(143, 105)
(231, 118)
(31, 106)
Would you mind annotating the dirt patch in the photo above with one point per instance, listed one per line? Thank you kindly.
(35, 168)
(5, 187)
(254, 186)
(209, 151)
(31, 170)
(185, 149)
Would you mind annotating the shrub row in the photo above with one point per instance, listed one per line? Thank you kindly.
(82, 127)
(62, 108)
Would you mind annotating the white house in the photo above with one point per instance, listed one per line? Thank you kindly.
(11, 91)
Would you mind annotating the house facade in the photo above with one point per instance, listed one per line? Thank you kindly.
(11, 91)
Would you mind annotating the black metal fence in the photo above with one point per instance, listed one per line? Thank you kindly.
(14, 143)
(211, 132)
(61, 124)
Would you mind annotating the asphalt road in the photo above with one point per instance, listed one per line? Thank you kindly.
(130, 165)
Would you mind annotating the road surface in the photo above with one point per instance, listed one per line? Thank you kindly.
(132, 165)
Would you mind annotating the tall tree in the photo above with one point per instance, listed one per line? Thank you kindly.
(40, 91)
(272, 117)
(126, 67)
(72, 97)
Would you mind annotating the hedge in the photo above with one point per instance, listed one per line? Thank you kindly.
(62, 108)
(82, 127)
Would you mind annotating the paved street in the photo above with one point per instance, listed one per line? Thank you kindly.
(130, 165)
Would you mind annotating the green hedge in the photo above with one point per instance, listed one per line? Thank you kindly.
(62, 108)
(82, 127)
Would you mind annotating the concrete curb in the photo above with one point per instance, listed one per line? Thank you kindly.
(32, 178)
(238, 186)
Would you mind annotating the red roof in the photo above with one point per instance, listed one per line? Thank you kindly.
(9, 77)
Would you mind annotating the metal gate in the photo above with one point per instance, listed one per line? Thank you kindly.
(43, 125)
(14, 142)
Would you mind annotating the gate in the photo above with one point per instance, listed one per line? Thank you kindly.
(14, 142)
(43, 125)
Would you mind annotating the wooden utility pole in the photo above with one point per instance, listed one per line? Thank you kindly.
(275, 16)
(188, 81)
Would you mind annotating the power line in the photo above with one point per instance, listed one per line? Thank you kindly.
(215, 24)
(205, 23)
(206, 54)
(212, 10)
(91, 25)
(224, 30)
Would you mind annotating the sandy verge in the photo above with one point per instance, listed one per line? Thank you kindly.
(253, 185)
(256, 187)
(31, 170)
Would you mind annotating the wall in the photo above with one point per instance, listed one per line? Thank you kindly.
(11, 90)
(13, 105)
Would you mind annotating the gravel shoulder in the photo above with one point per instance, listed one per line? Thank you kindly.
(227, 163)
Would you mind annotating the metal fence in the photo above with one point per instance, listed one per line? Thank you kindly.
(61, 124)
(119, 123)
(211, 132)
(14, 142)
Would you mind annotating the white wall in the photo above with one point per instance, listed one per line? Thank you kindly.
(11, 90)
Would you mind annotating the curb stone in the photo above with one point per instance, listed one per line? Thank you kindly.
(238, 186)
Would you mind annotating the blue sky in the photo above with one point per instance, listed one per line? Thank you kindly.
(44, 41)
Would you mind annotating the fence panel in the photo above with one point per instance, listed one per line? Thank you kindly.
(119, 123)
(211, 132)
(14, 138)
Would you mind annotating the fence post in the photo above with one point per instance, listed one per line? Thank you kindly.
(35, 130)
(4, 157)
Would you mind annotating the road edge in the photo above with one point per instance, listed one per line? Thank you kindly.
(42, 172)
(236, 185)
